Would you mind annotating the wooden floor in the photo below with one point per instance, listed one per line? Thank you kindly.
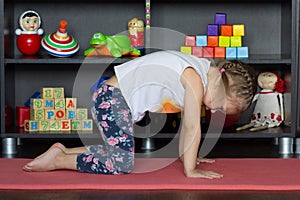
(233, 148)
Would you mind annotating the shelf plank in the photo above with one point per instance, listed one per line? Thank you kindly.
(46, 59)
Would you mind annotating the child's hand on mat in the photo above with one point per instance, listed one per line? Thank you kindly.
(204, 160)
(198, 173)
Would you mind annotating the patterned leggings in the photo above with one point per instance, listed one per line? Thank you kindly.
(113, 118)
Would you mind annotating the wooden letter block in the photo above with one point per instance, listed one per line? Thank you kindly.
(238, 30)
(71, 103)
(33, 125)
(50, 114)
(48, 103)
(212, 41)
(37, 114)
(76, 125)
(44, 125)
(220, 52)
(236, 41)
(60, 103)
(60, 114)
(87, 125)
(224, 41)
(190, 40)
(186, 49)
(71, 113)
(65, 125)
(47, 93)
(197, 51)
(58, 93)
(82, 113)
(36, 103)
(26, 125)
(226, 30)
(208, 52)
(201, 40)
(55, 125)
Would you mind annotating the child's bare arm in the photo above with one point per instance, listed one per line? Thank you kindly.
(191, 128)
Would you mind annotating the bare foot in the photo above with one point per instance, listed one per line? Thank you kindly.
(56, 145)
(46, 162)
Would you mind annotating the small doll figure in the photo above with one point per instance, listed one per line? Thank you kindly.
(268, 111)
(30, 22)
(136, 33)
(28, 37)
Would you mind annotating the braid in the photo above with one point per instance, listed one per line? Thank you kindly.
(239, 79)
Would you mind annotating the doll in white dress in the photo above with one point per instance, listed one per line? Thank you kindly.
(268, 111)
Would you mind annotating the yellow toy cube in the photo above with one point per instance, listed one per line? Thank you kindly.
(238, 30)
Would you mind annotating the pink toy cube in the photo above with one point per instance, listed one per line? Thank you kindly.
(197, 51)
(208, 52)
(190, 40)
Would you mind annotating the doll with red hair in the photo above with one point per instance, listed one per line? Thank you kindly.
(268, 111)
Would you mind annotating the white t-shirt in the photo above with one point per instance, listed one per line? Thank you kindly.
(152, 82)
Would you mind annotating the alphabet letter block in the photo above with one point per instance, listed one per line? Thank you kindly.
(87, 125)
(36, 103)
(37, 114)
(31, 125)
(71, 103)
(60, 114)
(65, 125)
(60, 103)
(47, 93)
(58, 93)
(50, 114)
(55, 125)
(71, 114)
(48, 103)
(44, 125)
(82, 113)
(75, 125)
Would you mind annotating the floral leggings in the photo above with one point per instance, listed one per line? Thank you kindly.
(113, 118)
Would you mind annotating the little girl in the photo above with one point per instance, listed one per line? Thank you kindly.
(145, 84)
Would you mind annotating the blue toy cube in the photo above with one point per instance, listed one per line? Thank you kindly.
(213, 29)
(231, 53)
(242, 52)
(201, 40)
(220, 18)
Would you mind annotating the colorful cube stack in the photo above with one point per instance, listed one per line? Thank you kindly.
(54, 112)
(221, 41)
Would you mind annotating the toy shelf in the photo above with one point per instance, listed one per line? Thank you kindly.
(271, 33)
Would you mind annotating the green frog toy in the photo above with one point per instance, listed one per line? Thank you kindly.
(116, 46)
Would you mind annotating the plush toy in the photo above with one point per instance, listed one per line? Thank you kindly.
(116, 46)
(268, 111)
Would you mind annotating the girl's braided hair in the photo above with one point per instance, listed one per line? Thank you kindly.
(239, 79)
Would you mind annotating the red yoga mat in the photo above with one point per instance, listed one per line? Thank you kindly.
(239, 174)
